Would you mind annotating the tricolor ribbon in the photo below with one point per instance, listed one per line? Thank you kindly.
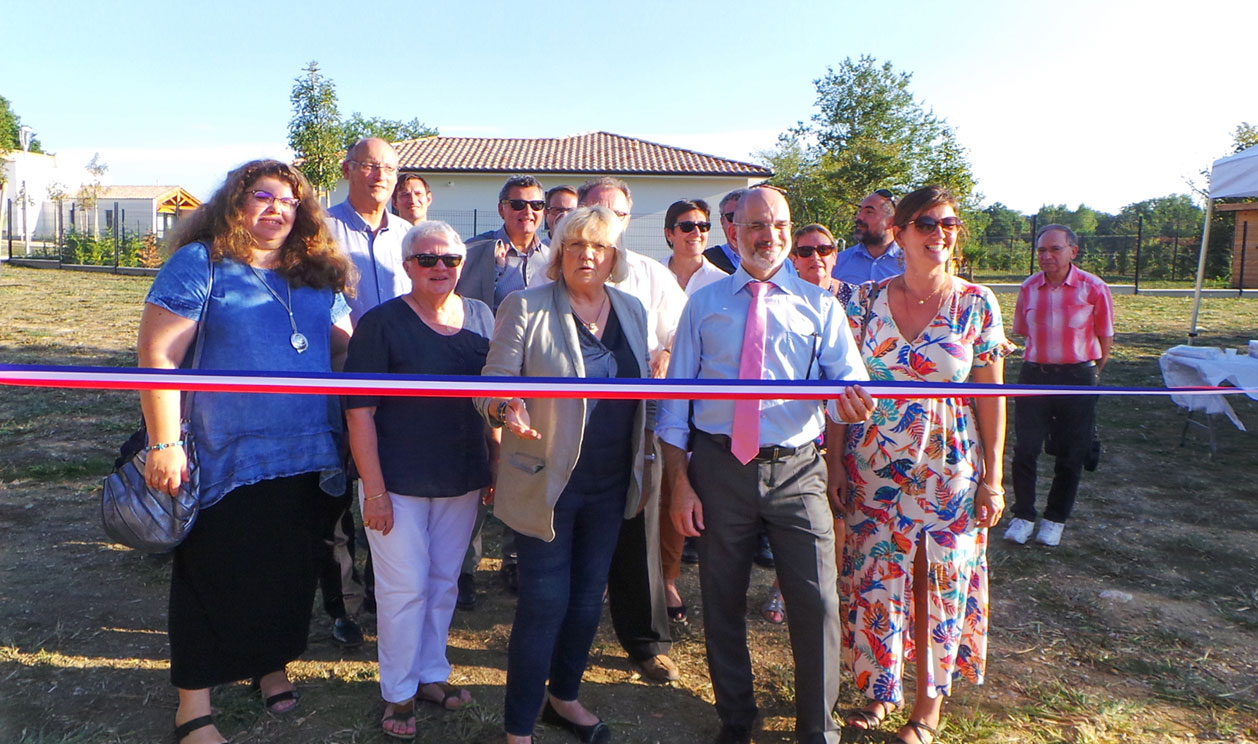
(439, 386)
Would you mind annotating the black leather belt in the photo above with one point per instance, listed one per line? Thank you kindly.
(766, 454)
(1059, 367)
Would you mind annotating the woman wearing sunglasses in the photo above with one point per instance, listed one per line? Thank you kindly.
(924, 477)
(686, 228)
(813, 252)
(571, 469)
(424, 465)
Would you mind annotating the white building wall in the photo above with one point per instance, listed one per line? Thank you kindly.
(469, 202)
(37, 172)
(138, 215)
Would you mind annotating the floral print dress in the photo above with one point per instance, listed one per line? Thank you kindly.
(914, 469)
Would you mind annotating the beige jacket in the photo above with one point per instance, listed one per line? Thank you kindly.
(535, 336)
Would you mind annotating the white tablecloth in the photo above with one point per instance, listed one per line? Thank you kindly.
(1204, 365)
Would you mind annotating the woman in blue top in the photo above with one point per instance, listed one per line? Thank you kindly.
(243, 582)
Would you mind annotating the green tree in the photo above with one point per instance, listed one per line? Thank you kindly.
(10, 126)
(315, 132)
(868, 132)
(89, 194)
(1245, 137)
(358, 126)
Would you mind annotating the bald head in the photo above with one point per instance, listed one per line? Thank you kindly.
(370, 166)
(762, 229)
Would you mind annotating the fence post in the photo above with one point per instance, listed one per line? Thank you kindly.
(1031, 268)
(9, 212)
(1175, 255)
(117, 224)
(1139, 241)
(474, 230)
(1240, 285)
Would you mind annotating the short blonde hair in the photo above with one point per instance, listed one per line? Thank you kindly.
(594, 224)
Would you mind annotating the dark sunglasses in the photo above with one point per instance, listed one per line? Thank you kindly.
(805, 251)
(689, 226)
(886, 194)
(728, 216)
(429, 260)
(927, 225)
(518, 205)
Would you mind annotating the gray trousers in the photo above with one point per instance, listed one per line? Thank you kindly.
(788, 498)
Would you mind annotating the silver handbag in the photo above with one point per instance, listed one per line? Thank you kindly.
(145, 518)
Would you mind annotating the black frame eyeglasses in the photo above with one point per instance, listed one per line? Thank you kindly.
(429, 260)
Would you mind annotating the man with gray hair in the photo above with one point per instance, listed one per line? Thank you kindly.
(725, 256)
(635, 586)
(372, 238)
(1067, 316)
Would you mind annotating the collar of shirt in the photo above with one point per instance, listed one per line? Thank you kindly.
(893, 251)
(511, 249)
(783, 279)
(346, 213)
(1073, 279)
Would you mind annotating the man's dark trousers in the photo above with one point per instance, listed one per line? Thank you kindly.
(1070, 418)
(635, 586)
(787, 496)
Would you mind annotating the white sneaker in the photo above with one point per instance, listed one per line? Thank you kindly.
(1019, 531)
(1050, 533)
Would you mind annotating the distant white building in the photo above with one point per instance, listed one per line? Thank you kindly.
(465, 174)
(139, 209)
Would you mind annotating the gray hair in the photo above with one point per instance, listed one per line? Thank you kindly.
(734, 196)
(604, 181)
(519, 182)
(432, 229)
(1071, 238)
(597, 223)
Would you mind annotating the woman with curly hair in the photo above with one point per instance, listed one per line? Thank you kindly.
(260, 281)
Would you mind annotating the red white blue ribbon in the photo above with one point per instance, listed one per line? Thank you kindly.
(435, 386)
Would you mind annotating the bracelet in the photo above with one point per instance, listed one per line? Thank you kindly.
(983, 484)
(500, 413)
(380, 495)
(164, 445)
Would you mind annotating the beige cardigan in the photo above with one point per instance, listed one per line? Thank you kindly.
(535, 336)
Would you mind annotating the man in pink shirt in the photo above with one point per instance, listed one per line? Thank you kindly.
(1067, 317)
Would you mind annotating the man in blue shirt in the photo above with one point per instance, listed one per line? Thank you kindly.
(514, 256)
(778, 478)
(372, 238)
(725, 256)
(876, 256)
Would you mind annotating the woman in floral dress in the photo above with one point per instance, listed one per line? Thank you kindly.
(924, 477)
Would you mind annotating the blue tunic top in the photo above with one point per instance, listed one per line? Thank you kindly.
(244, 438)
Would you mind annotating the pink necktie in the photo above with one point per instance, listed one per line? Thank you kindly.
(745, 439)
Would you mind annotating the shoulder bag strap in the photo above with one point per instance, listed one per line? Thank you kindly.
(198, 343)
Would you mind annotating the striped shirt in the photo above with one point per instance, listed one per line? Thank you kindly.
(1063, 324)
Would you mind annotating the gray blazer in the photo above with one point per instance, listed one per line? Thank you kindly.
(535, 336)
(480, 269)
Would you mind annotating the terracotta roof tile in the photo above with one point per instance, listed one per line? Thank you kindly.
(595, 153)
(138, 192)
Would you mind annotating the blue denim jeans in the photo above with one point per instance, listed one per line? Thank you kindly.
(560, 603)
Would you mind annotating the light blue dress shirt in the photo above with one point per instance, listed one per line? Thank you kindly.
(856, 266)
(806, 337)
(377, 256)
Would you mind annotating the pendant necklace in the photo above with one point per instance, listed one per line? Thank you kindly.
(922, 301)
(592, 326)
(297, 339)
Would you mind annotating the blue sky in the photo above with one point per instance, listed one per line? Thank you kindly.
(1103, 103)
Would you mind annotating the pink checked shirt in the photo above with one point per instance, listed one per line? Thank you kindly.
(1062, 324)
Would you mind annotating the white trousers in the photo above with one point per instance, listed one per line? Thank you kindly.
(417, 571)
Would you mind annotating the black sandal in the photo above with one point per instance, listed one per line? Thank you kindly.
(676, 614)
(918, 727)
(870, 719)
(269, 702)
(196, 724)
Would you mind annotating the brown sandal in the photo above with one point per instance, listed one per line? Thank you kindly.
(449, 693)
(404, 716)
(868, 720)
(918, 727)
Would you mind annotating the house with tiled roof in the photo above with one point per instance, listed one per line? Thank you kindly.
(465, 174)
(137, 209)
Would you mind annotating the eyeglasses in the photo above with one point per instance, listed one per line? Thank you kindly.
(927, 225)
(806, 251)
(265, 199)
(559, 211)
(388, 170)
(429, 260)
(580, 246)
(688, 226)
(779, 226)
(518, 205)
(727, 216)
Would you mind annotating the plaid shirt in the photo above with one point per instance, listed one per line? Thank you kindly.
(1062, 324)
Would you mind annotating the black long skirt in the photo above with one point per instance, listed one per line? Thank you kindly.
(243, 583)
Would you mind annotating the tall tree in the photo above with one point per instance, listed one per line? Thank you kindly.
(358, 126)
(90, 193)
(315, 133)
(869, 132)
(10, 127)
(1245, 137)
